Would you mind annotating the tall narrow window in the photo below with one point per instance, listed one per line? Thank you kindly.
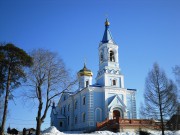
(87, 83)
(75, 105)
(75, 120)
(98, 114)
(84, 117)
(111, 56)
(68, 121)
(68, 107)
(114, 82)
(64, 110)
(84, 100)
(101, 57)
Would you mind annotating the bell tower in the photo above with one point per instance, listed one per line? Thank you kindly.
(109, 72)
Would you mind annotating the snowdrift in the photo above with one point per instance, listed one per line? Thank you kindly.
(53, 131)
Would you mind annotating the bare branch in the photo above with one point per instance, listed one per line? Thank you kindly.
(48, 78)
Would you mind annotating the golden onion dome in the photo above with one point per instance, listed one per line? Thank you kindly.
(107, 23)
(85, 72)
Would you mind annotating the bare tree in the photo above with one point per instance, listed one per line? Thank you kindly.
(159, 96)
(176, 71)
(1, 107)
(48, 78)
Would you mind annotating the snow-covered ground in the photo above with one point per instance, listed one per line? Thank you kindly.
(53, 131)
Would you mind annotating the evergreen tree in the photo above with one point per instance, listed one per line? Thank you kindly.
(13, 61)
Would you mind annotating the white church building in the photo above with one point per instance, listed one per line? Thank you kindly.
(91, 103)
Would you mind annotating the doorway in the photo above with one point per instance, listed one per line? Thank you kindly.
(116, 114)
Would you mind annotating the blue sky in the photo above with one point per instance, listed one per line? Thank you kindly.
(146, 31)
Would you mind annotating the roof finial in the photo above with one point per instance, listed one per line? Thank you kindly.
(84, 62)
(107, 22)
(107, 37)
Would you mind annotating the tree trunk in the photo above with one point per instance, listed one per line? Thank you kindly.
(38, 127)
(5, 104)
(5, 112)
(160, 109)
(162, 123)
(38, 119)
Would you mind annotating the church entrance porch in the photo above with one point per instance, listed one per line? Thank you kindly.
(116, 114)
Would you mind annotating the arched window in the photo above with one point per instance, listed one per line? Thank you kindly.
(68, 121)
(101, 57)
(114, 82)
(87, 83)
(83, 117)
(98, 114)
(75, 105)
(75, 119)
(84, 100)
(111, 56)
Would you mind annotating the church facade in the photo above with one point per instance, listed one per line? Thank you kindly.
(91, 103)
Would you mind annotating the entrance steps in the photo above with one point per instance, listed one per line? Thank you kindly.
(120, 125)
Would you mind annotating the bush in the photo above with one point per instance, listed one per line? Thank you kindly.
(143, 132)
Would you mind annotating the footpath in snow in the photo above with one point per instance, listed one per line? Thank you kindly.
(53, 131)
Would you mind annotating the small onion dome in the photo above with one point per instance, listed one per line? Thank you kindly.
(85, 72)
(107, 23)
(53, 105)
